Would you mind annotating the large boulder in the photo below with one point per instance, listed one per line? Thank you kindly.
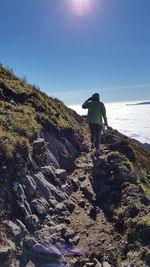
(60, 209)
(63, 151)
(32, 222)
(49, 174)
(47, 189)
(17, 230)
(39, 206)
(29, 184)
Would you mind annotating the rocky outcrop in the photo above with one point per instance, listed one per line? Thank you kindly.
(43, 201)
(58, 152)
(65, 218)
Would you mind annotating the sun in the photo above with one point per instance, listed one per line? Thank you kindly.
(81, 7)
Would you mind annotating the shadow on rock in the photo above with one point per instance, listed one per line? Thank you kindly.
(39, 255)
(110, 173)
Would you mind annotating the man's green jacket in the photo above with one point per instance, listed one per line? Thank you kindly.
(96, 112)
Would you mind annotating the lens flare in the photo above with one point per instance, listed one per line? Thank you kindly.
(81, 7)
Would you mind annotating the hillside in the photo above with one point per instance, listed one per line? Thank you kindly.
(27, 114)
(60, 205)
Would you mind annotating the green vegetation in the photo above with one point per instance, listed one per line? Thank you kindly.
(144, 179)
(18, 126)
(25, 112)
(112, 154)
(137, 154)
(126, 164)
(141, 230)
(119, 211)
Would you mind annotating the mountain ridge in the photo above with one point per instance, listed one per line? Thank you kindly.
(60, 204)
(140, 103)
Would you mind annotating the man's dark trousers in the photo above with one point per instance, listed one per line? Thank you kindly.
(95, 130)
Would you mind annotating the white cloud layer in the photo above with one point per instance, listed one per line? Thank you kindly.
(132, 120)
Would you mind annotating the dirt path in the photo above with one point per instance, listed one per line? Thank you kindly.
(94, 234)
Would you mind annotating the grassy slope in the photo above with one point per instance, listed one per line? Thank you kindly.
(25, 111)
(138, 230)
(140, 157)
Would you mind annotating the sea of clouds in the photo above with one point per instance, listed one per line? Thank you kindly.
(131, 120)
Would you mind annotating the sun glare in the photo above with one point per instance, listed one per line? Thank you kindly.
(81, 7)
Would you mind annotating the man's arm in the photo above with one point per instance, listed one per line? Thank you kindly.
(104, 114)
(86, 103)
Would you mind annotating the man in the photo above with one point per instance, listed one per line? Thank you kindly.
(95, 117)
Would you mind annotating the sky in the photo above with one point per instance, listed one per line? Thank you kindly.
(74, 48)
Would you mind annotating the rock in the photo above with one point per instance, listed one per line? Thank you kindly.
(52, 160)
(6, 251)
(17, 229)
(83, 261)
(30, 264)
(98, 264)
(124, 148)
(68, 234)
(127, 176)
(40, 249)
(60, 208)
(99, 163)
(44, 234)
(90, 264)
(21, 199)
(29, 184)
(68, 189)
(76, 184)
(82, 203)
(74, 240)
(49, 174)
(51, 211)
(67, 221)
(82, 178)
(32, 222)
(20, 224)
(33, 163)
(63, 231)
(38, 260)
(70, 205)
(75, 252)
(53, 202)
(39, 144)
(19, 192)
(62, 150)
(39, 207)
(86, 193)
(106, 264)
(55, 234)
(39, 255)
(49, 221)
(29, 242)
(65, 213)
(47, 189)
(61, 174)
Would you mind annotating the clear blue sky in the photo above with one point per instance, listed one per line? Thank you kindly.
(71, 56)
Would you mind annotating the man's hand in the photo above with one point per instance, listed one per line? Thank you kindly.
(106, 125)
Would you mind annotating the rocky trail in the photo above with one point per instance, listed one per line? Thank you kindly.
(80, 218)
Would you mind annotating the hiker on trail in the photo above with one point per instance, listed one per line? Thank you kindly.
(96, 116)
